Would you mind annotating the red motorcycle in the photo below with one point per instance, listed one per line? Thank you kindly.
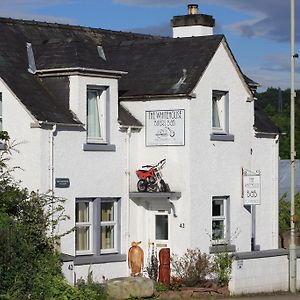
(150, 178)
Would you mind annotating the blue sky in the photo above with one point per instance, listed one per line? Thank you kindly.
(257, 30)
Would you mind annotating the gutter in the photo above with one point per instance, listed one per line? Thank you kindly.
(40, 124)
(157, 97)
(67, 71)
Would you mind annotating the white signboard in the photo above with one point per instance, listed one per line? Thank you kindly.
(165, 127)
(251, 188)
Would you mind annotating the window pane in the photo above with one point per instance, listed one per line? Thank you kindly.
(161, 227)
(215, 113)
(82, 238)
(218, 230)
(93, 119)
(218, 208)
(107, 211)
(107, 237)
(82, 212)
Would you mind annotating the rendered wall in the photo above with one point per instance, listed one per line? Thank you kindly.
(261, 274)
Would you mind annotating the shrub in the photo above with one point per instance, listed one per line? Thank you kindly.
(222, 267)
(192, 268)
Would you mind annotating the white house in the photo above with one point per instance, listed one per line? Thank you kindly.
(91, 106)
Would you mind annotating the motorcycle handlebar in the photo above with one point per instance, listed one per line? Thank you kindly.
(147, 166)
(161, 163)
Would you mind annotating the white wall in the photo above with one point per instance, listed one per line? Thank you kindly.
(91, 173)
(216, 166)
(204, 168)
(261, 275)
(27, 153)
(188, 31)
(265, 158)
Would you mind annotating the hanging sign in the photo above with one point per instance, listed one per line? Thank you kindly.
(251, 189)
(165, 127)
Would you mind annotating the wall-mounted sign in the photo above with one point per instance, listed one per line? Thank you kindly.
(165, 127)
(62, 182)
(251, 189)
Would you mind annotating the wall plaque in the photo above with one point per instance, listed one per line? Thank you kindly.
(62, 182)
(165, 127)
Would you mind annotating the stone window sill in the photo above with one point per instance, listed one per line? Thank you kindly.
(99, 147)
(105, 258)
(222, 137)
(221, 248)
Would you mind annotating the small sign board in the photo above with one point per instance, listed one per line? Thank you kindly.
(251, 189)
(62, 183)
(165, 127)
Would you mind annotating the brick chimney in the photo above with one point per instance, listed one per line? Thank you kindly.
(192, 24)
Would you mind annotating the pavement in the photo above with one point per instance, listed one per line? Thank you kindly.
(277, 296)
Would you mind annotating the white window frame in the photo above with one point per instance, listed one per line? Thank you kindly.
(224, 218)
(1, 112)
(88, 224)
(220, 105)
(113, 223)
(102, 105)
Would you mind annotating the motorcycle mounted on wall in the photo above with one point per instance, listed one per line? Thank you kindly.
(150, 178)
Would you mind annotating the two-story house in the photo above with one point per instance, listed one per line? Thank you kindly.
(90, 106)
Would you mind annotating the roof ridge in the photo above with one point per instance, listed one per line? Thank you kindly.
(6, 20)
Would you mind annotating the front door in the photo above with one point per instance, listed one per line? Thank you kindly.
(159, 226)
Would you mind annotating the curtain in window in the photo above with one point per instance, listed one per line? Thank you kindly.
(215, 113)
(82, 238)
(107, 237)
(0, 111)
(93, 119)
(82, 231)
(107, 225)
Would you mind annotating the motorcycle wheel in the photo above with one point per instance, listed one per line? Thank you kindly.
(163, 186)
(152, 188)
(142, 186)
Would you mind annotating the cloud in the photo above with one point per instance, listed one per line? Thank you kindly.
(165, 29)
(267, 18)
(24, 9)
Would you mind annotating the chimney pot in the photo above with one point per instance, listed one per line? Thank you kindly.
(193, 9)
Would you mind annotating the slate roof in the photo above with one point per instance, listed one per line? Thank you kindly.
(155, 65)
(126, 118)
(34, 92)
(262, 123)
(162, 67)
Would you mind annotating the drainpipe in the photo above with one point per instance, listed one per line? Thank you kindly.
(128, 136)
(51, 169)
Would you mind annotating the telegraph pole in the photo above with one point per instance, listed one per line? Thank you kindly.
(292, 247)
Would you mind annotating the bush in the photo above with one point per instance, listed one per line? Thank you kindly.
(29, 266)
(222, 267)
(193, 268)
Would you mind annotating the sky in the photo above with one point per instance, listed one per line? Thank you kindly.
(258, 31)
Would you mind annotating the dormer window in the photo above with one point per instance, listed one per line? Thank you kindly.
(97, 114)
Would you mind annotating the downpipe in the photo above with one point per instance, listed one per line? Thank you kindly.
(51, 169)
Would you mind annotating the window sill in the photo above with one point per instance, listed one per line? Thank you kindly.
(105, 258)
(222, 137)
(99, 147)
(222, 248)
